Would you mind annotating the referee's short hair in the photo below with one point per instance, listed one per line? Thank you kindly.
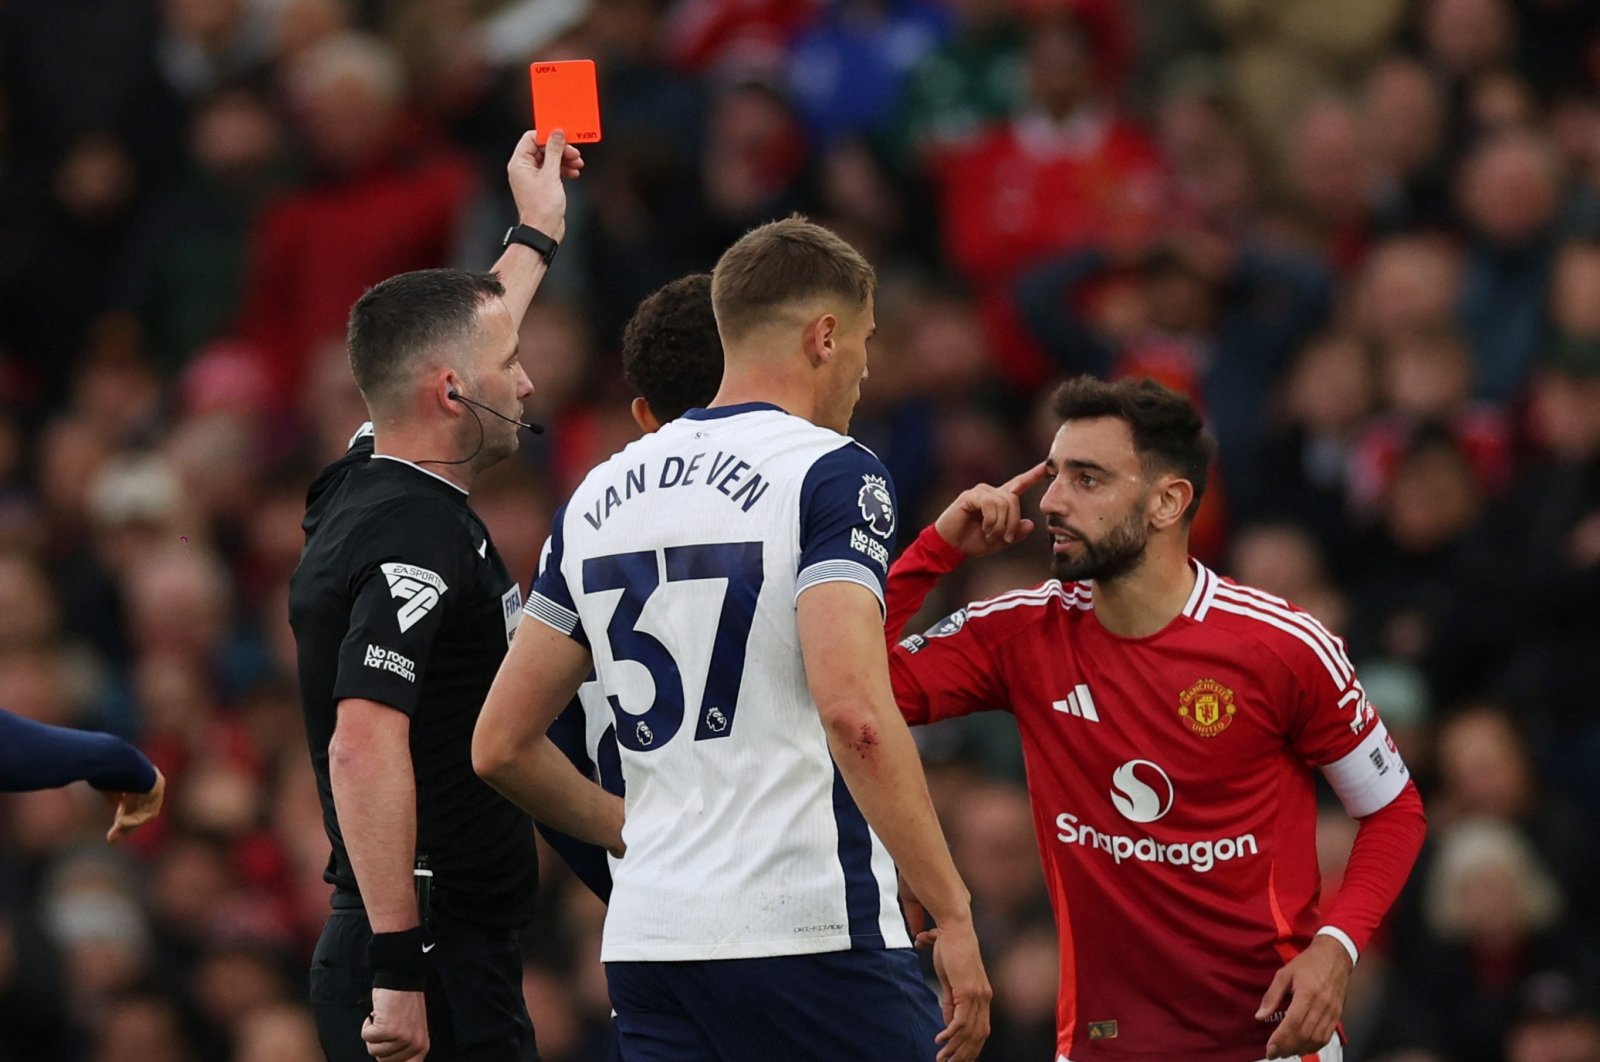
(671, 352)
(398, 324)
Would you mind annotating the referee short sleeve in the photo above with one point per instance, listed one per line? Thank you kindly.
(402, 577)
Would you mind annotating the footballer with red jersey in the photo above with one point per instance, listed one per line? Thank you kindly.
(1171, 723)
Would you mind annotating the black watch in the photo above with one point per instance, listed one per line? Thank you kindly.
(529, 236)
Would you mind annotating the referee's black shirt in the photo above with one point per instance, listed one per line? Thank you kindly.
(400, 598)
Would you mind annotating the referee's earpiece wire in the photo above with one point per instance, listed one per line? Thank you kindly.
(476, 450)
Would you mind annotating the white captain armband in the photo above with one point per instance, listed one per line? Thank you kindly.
(1370, 775)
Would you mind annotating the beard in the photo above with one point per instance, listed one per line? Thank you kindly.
(1116, 554)
(499, 443)
(490, 439)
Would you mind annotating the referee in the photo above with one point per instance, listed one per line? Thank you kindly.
(402, 611)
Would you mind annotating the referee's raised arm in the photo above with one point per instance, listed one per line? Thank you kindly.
(402, 611)
(535, 173)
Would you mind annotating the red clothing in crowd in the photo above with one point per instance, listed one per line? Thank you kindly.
(705, 34)
(316, 250)
(1172, 779)
(1031, 188)
(1482, 434)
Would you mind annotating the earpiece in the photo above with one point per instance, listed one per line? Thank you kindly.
(456, 396)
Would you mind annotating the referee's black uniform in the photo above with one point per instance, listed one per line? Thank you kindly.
(400, 598)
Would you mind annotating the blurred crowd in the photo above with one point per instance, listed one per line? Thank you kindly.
(1364, 234)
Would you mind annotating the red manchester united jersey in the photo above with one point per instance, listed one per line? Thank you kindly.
(1173, 795)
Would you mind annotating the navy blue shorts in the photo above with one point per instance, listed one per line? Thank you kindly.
(840, 1005)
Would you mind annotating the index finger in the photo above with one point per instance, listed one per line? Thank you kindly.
(1023, 483)
(527, 146)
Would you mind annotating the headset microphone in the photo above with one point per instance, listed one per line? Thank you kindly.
(537, 429)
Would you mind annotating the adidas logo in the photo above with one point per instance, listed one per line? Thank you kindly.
(1080, 702)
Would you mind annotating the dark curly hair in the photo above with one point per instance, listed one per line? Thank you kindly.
(671, 353)
(1167, 429)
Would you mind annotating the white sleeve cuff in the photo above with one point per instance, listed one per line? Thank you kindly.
(551, 613)
(840, 571)
(1344, 939)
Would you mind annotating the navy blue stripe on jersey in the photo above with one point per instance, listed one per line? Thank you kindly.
(847, 520)
(732, 411)
(608, 762)
(569, 733)
(861, 901)
(550, 600)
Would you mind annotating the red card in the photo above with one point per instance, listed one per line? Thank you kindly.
(566, 97)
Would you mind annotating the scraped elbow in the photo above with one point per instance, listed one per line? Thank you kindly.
(852, 730)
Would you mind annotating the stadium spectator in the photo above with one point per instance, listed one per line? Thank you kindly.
(1403, 125)
(1426, 384)
(1485, 772)
(1215, 166)
(1558, 1022)
(848, 70)
(1407, 283)
(1510, 195)
(1283, 55)
(1468, 37)
(1067, 172)
(182, 269)
(275, 1031)
(1328, 180)
(991, 831)
(142, 1027)
(1219, 322)
(315, 250)
(1404, 605)
(1325, 400)
(971, 80)
(1286, 561)
(1496, 918)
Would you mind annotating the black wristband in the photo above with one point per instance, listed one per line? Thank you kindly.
(529, 236)
(400, 960)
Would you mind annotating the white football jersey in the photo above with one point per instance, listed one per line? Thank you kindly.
(678, 563)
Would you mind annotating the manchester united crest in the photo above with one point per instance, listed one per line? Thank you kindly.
(1207, 707)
